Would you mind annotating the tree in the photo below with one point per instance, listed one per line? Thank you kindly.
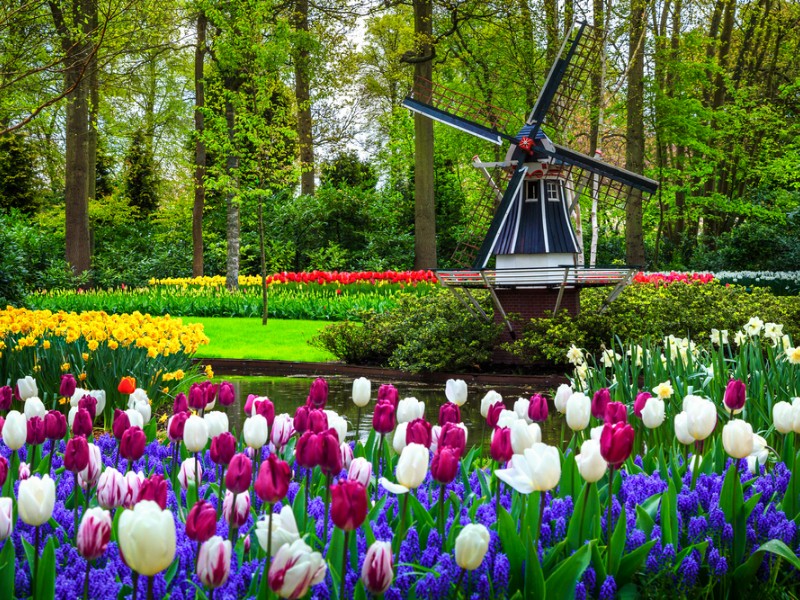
(634, 147)
(17, 177)
(141, 175)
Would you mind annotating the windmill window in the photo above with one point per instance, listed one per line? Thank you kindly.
(532, 191)
(552, 191)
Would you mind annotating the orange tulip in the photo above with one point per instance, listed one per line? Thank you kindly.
(127, 385)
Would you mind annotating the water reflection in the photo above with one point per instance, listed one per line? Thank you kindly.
(287, 393)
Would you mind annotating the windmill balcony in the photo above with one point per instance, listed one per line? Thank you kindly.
(534, 277)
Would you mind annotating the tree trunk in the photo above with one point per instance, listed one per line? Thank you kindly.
(302, 90)
(232, 203)
(424, 202)
(634, 147)
(551, 28)
(199, 149)
(94, 109)
(595, 122)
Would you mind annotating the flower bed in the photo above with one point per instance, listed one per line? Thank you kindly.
(319, 277)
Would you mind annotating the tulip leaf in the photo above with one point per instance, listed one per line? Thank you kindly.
(584, 516)
(790, 504)
(534, 576)
(29, 552)
(361, 594)
(617, 547)
(423, 518)
(46, 579)
(334, 558)
(644, 521)
(7, 568)
(746, 571)
(299, 508)
(570, 483)
(631, 562)
(598, 562)
(512, 546)
(170, 574)
(561, 583)
(199, 592)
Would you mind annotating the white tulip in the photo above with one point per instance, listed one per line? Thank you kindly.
(295, 567)
(399, 437)
(15, 430)
(524, 435)
(255, 431)
(26, 387)
(796, 415)
(521, 408)
(591, 465)
(146, 537)
(362, 390)
(759, 455)
(90, 475)
(195, 433)
(360, 470)
(456, 391)
(347, 454)
(284, 529)
(412, 467)
(6, 517)
(144, 409)
(217, 422)
(596, 432)
(490, 398)
(99, 395)
(538, 469)
(579, 410)
(282, 430)
(653, 413)
(783, 417)
(187, 473)
(506, 418)
(36, 500)
(337, 422)
(737, 438)
(34, 407)
(701, 418)
(134, 417)
(562, 395)
(682, 429)
(472, 543)
(409, 409)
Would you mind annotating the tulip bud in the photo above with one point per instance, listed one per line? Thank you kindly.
(111, 488)
(6, 397)
(180, 404)
(68, 385)
(35, 427)
(640, 403)
(146, 537)
(255, 431)
(338, 424)
(578, 411)
(360, 470)
(214, 562)
(76, 455)
(538, 469)
(399, 437)
(653, 413)
(26, 388)
(36, 499)
(419, 432)
(82, 423)
(318, 394)
(317, 420)
(330, 457)
(701, 416)
(133, 488)
(489, 400)
(223, 447)
(783, 417)
(449, 413)
(195, 434)
(524, 435)
(284, 530)
(227, 396)
(362, 390)
(616, 412)
(94, 533)
(521, 408)
(3, 470)
(453, 436)
(121, 423)
(412, 466)
(216, 421)
(239, 474)
(295, 568)
(34, 407)
(472, 543)
(187, 472)
(24, 471)
(600, 400)
(388, 393)
(616, 443)
(409, 409)
(383, 418)
(493, 414)
(273, 479)
(308, 450)
(236, 514)
(376, 572)
(456, 391)
(282, 430)
(89, 476)
(737, 438)
(444, 466)
(197, 397)
(300, 420)
(682, 430)
(201, 522)
(349, 504)
(89, 403)
(134, 418)
(500, 448)
(735, 395)
(210, 391)
(346, 453)
(55, 425)
(154, 488)
(6, 518)
(127, 385)
(538, 408)
(563, 393)
(15, 430)
(131, 446)
(591, 464)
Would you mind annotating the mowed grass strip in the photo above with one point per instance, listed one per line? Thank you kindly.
(248, 338)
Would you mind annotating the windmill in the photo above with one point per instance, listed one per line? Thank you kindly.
(524, 216)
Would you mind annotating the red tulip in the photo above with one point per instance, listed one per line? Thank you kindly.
(538, 408)
(6, 397)
(181, 404)
(214, 562)
(418, 431)
(76, 455)
(317, 420)
(3, 470)
(300, 419)
(493, 414)
(210, 390)
(616, 443)
(154, 488)
(308, 449)
(240, 474)
(82, 423)
(616, 412)
(449, 413)
(201, 522)
(349, 504)
(600, 399)
(388, 392)
(175, 426)
(35, 431)
(121, 424)
(94, 533)
(735, 395)
(131, 446)
(68, 385)
(223, 447)
(55, 425)
(227, 395)
(383, 417)
(330, 456)
(260, 406)
(454, 437)
(444, 465)
(273, 479)
(197, 397)
(90, 404)
(318, 394)
(639, 403)
(501, 448)
(127, 385)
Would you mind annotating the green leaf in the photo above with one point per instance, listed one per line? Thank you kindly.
(745, 572)
(584, 516)
(631, 562)
(512, 546)
(299, 508)
(618, 542)
(7, 568)
(791, 500)
(334, 558)
(46, 579)
(644, 521)
(561, 583)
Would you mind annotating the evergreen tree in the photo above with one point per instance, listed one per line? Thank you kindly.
(17, 183)
(141, 175)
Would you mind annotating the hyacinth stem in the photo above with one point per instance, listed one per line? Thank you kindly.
(327, 509)
(86, 582)
(135, 580)
(150, 581)
(344, 563)
(35, 560)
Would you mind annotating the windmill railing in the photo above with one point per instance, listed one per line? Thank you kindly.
(543, 277)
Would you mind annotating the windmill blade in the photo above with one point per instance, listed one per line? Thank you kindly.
(602, 168)
(460, 111)
(567, 78)
(500, 217)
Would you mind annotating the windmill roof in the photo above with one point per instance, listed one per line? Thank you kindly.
(526, 130)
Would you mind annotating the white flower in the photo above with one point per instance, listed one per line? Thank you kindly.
(773, 332)
(284, 529)
(579, 409)
(26, 387)
(409, 409)
(737, 438)
(521, 408)
(34, 407)
(591, 465)
(399, 437)
(217, 422)
(701, 417)
(575, 355)
(663, 390)
(472, 543)
(337, 422)
(362, 390)
(754, 326)
(506, 418)
(538, 469)
(524, 435)
(490, 398)
(562, 395)
(653, 413)
(740, 338)
(412, 467)
(456, 391)
(682, 430)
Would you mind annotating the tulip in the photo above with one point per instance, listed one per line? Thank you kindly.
(653, 413)
(599, 401)
(452, 436)
(578, 411)
(35, 427)
(338, 424)
(500, 448)
(282, 430)
(444, 466)
(255, 431)
(591, 464)
(6, 518)
(362, 390)
(538, 469)
(472, 543)
(55, 425)
(89, 403)
(239, 474)
(68, 385)
(201, 522)
(197, 397)
(317, 420)
(141, 405)
(563, 393)
(346, 453)
(195, 434)
(701, 416)
(146, 538)
(682, 429)
(89, 476)
(376, 572)
(3, 470)
(456, 391)
(616, 443)
(388, 392)
(409, 409)
(273, 480)
(131, 446)
(76, 455)
(133, 488)
(412, 466)
(524, 435)
(111, 488)
(134, 418)
(284, 529)
(735, 396)
(507, 418)
(493, 414)
(260, 405)
(15, 430)
(308, 449)
(6, 397)
(759, 455)
(121, 423)
(318, 394)
(180, 404)
(330, 457)
(295, 569)
(210, 391)
(616, 412)
(489, 400)
(34, 407)
(360, 470)
(82, 423)
(783, 417)
(227, 395)
(640, 403)
(127, 385)
(349, 504)
(236, 508)
(300, 420)
(737, 438)
(216, 421)
(383, 418)
(154, 488)
(94, 533)
(26, 388)
(36, 499)
(419, 432)
(214, 562)
(538, 409)
(399, 437)
(521, 408)
(189, 471)
(24, 471)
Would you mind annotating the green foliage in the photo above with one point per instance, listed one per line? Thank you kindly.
(17, 176)
(431, 332)
(141, 180)
(346, 169)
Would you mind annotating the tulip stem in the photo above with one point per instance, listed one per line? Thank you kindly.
(35, 559)
(232, 521)
(75, 503)
(50, 457)
(458, 582)
(86, 581)
(441, 513)
(695, 464)
(612, 471)
(221, 490)
(150, 587)
(400, 529)
(358, 422)
(539, 524)
(380, 464)
(135, 580)
(308, 485)
(196, 474)
(264, 591)
(327, 509)
(344, 564)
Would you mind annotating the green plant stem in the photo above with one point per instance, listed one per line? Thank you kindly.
(539, 524)
(585, 500)
(358, 422)
(378, 469)
(35, 560)
(400, 529)
(86, 582)
(150, 587)
(458, 583)
(135, 580)
(75, 504)
(327, 509)
(612, 471)
(221, 491)
(695, 464)
(231, 526)
(344, 564)
(441, 511)
(264, 590)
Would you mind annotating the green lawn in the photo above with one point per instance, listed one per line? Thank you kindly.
(247, 338)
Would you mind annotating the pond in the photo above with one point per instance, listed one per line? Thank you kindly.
(287, 393)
